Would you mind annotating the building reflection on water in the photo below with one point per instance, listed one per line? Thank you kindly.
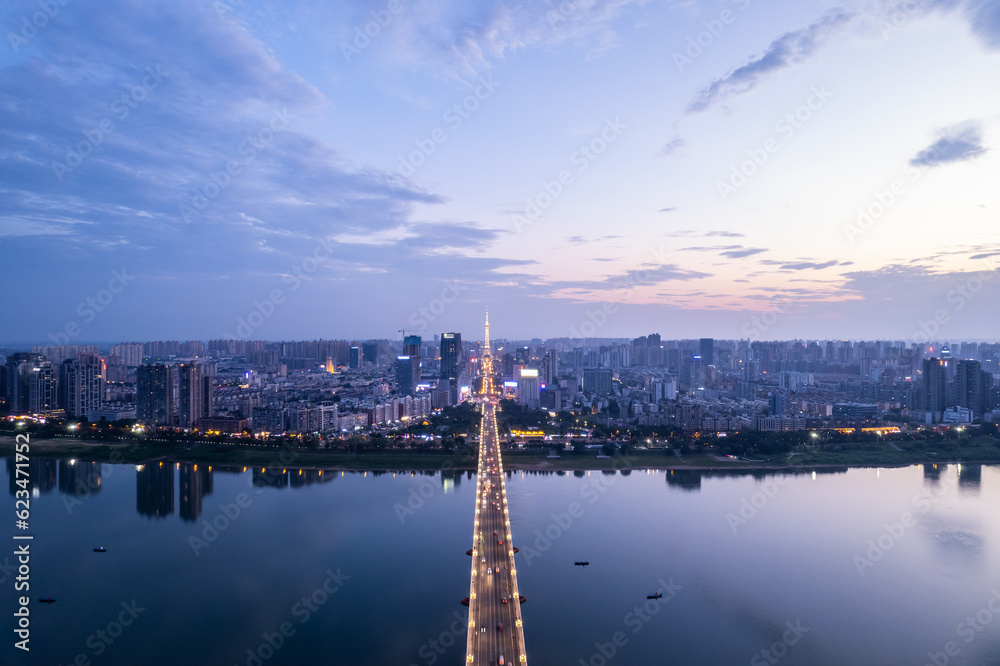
(685, 479)
(80, 479)
(155, 486)
(41, 476)
(970, 476)
(932, 473)
(195, 482)
(154, 489)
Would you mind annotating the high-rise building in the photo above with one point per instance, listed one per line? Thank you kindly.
(935, 387)
(192, 394)
(81, 386)
(528, 387)
(154, 396)
(354, 357)
(451, 363)
(23, 378)
(406, 368)
(969, 390)
(597, 381)
(411, 348)
(42, 389)
(550, 368)
(708, 351)
(130, 353)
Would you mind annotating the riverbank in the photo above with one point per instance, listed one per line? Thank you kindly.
(978, 450)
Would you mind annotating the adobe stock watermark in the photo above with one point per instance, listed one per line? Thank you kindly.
(121, 107)
(714, 27)
(454, 116)
(591, 491)
(265, 308)
(792, 635)
(749, 507)
(624, 286)
(762, 322)
(958, 297)
(968, 629)
(424, 490)
(898, 14)
(787, 126)
(230, 512)
(635, 620)
(893, 532)
(581, 159)
(425, 315)
(302, 611)
(246, 151)
(85, 487)
(363, 35)
(102, 639)
(224, 7)
(89, 308)
(884, 198)
(32, 23)
(436, 647)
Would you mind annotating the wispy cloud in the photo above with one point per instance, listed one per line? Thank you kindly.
(463, 40)
(786, 51)
(729, 251)
(672, 146)
(800, 265)
(958, 143)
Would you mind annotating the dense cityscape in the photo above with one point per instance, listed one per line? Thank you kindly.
(332, 389)
(561, 332)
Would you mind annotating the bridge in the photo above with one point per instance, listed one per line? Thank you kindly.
(495, 630)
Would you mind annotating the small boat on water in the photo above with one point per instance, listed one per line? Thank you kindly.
(100, 549)
(581, 564)
(654, 596)
(47, 600)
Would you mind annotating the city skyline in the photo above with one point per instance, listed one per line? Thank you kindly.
(680, 168)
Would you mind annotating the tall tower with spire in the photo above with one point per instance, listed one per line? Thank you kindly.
(486, 345)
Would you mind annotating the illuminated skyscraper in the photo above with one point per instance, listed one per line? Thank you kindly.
(451, 362)
(935, 387)
(81, 387)
(154, 396)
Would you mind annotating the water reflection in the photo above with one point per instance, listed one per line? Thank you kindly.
(307, 477)
(80, 479)
(195, 483)
(154, 490)
(969, 477)
(685, 479)
(932, 473)
(689, 480)
(41, 476)
(270, 477)
(155, 486)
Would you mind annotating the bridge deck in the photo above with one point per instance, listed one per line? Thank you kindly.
(494, 605)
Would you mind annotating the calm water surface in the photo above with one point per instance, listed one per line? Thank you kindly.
(861, 566)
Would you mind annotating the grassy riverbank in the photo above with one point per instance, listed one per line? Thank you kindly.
(973, 450)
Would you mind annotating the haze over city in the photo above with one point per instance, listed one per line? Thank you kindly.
(680, 167)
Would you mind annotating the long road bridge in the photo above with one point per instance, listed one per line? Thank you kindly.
(495, 632)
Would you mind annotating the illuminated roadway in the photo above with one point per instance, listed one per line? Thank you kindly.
(494, 598)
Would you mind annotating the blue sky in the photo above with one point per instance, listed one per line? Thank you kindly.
(716, 168)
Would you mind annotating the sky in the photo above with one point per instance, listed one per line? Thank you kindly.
(203, 169)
